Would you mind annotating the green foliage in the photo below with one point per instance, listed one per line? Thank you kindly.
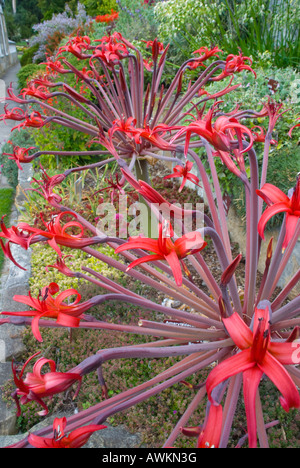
(136, 21)
(50, 8)
(254, 26)
(27, 56)
(27, 72)
(19, 25)
(253, 92)
(97, 7)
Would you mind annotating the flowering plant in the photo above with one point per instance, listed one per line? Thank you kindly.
(240, 329)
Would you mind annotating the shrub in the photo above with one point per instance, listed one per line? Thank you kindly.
(61, 24)
(256, 27)
(27, 56)
(27, 72)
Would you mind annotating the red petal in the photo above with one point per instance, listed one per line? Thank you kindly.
(291, 224)
(140, 243)
(251, 378)
(68, 320)
(146, 259)
(175, 265)
(271, 193)
(35, 328)
(281, 378)
(210, 438)
(268, 214)
(228, 368)
(285, 353)
(238, 331)
(190, 242)
(80, 436)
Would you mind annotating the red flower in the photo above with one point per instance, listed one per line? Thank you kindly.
(216, 134)
(148, 65)
(46, 306)
(46, 186)
(54, 65)
(20, 155)
(114, 187)
(13, 97)
(14, 114)
(205, 53)
(165, 249)
(155, 43)
(184, 172)
(58, 234)
(156, 46)
(235, 64)
(125, 126)
(39, 92)
(75, 439)
(272, 109)
(8, 254)
(154, 136)
(37, 386)
(110, 50)
(34, 120)
(258, 356)
(108, 18)
(75, 46)
(260, 136)
(279, 202)
(62, 267)
(15, 236)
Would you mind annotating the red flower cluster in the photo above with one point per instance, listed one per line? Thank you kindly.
(108, 18)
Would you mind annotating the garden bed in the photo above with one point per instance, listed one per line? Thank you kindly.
(155, 418)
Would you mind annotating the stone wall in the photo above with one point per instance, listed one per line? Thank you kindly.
(10, 59)
(13, 281)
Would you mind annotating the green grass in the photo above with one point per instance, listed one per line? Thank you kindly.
(6, 202)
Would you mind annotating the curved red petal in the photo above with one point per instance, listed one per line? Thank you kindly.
(271, 193)
(175, 265)
(282, 380)
(232, 366)
(291, 224)
(268, 214)
(251, 379)
(238, 331)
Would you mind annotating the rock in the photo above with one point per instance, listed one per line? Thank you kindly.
(11, 342)
(7, 414)
(114, 437)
